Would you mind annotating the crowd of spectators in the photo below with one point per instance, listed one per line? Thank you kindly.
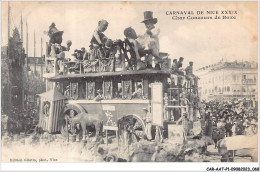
(230, 118)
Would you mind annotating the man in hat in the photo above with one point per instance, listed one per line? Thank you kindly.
(148, 126)
(150, 39)
(98, 39)
(228, 127)
(185, 124)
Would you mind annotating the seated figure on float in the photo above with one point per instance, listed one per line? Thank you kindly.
(136, 49)
(150, 40)
(100, 46)
(146, 45)
(55, 49)
(190, 76)
(98, 40)
(177, 71)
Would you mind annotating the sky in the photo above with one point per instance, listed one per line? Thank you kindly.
(202, 41)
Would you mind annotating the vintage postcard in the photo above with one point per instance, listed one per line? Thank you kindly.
(129, 81)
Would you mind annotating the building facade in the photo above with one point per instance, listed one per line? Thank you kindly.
(36, 65)
(227, 80)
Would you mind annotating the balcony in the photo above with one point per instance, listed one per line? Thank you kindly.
(56, 67)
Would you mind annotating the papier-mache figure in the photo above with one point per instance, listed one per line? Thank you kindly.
(150, 39)
(55, 49)
(98, 40)
(137, 49)
(56, 40)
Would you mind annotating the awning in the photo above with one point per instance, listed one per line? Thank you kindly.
(52, 95)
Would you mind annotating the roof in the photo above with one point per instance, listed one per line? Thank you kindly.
(52, 95)
(104, 74)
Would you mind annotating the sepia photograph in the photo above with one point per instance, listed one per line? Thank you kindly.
(137, 81)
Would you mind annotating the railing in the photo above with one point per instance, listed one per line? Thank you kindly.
(65, 67)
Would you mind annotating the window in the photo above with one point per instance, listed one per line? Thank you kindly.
(138, 89)
(117, 89)
(228, 89)
(74, 90)
(234, 77)
(82, 90)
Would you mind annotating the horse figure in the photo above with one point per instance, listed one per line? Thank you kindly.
(86, 119)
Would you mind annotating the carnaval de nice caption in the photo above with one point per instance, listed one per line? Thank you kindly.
(202, 15)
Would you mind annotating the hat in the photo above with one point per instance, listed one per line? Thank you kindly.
(54, 31)
(130, 32)
(148, 16)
